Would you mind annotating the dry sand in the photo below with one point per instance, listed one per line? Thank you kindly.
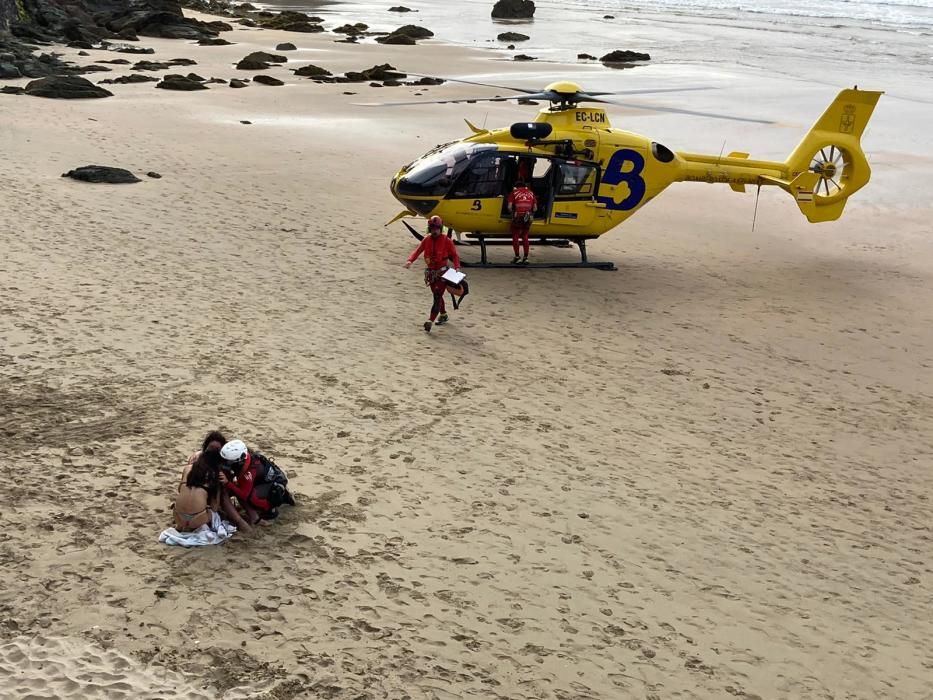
(704, 475)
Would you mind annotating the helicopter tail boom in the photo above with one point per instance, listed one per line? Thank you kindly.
(821, 173)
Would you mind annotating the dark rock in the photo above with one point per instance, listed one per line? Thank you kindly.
(8, 71)
(65, 87)
(397, 39)
(83, 53)
(221, 81)
(102, 173)
(391, 83)
(180, 82)
(290, 21)
(117, 61)
(246, 22)
(523, 57)
(400, 8)
(357, 28)
(414, 31)
(196, 77)
(311, 71)
(263, 57)
(249, 64)
(92, 69)
(286, 47)
(586, 57)
(132, 49)
(624, 57)
(216, 41)
(352, 77)
(150, 65)
(381, 72)
(609, 16)
(305, 27)
(245, 121)
(154, 175)
(513, 9)
(234, 83)
(511, 47)
(246, 7)
(428, 81)
(513, 36)
(267, 80)
(375, 85)
(182, 62)
(12, 90)
(87, 45)
(127, 35)
(129, 79)
(219, 26)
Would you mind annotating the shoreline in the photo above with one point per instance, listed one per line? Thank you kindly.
(691, 476)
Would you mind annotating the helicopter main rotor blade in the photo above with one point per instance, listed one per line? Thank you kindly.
(691, 112)
(534, 96)
(647, 91)
(471, 82)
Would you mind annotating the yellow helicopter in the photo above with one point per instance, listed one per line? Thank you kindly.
(589, 177)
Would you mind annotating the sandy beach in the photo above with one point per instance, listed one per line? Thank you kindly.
(704, 475)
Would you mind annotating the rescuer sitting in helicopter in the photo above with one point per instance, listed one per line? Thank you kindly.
(522, 205)
(437, 249)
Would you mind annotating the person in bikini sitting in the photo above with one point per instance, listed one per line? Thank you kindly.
(198, 493)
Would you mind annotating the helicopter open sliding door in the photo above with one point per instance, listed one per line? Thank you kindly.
(575, 185)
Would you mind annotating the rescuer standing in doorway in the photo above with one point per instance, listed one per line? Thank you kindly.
(522, 206)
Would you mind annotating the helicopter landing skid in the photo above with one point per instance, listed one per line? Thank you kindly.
(483, 241)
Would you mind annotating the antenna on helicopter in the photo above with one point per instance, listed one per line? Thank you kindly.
(755, 215)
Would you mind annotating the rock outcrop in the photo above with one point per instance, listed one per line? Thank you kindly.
(102, 173)
(513, 9)
(24, 23)
(69, 87)
(624, 57)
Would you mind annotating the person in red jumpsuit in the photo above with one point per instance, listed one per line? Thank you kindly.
(437, 250)
(522, 206)
(257, 482)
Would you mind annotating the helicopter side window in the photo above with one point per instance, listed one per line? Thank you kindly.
(433, 174)
(483, 179)
(576, 181)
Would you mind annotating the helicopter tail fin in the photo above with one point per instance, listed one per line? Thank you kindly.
(828, 165)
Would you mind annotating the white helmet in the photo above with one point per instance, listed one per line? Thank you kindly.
(233, 452)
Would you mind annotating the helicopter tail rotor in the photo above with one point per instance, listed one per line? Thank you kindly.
(828, 165)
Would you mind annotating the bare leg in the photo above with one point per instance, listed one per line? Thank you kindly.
(228, 509)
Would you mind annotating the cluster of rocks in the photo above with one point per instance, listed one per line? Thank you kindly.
(383, 75)
(91, 21)
(27, 25)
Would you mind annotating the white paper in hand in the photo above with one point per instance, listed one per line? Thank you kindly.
(453, 276)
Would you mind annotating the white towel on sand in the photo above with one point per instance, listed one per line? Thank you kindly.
(218, 531)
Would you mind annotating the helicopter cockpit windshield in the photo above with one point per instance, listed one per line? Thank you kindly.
(434, 173)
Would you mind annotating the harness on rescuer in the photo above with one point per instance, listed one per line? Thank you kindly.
(457, 291)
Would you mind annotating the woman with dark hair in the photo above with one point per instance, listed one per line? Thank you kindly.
(200, 482)
(199, 492)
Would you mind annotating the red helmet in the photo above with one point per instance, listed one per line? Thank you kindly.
(435, 222)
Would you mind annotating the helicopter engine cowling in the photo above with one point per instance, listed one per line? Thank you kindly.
(530, 131)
